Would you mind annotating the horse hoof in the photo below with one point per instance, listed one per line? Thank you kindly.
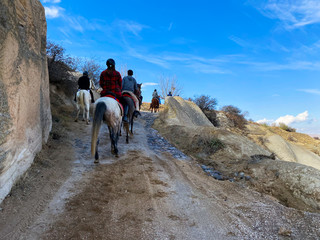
(76, 120)
(96, 161)
(83, 120)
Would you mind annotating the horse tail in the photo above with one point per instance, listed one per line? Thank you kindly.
(81, 98)
(101, 108)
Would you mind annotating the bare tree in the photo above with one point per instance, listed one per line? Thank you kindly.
(123, 70)
(94, 69)
(169, 84)
(59, 64)
(205, 103)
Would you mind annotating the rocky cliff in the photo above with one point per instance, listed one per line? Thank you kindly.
(25, 116)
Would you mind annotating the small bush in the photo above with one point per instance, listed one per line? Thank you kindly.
(235, 115)
(286, 127)
(215, 144)
(316, 138)
(211, 145)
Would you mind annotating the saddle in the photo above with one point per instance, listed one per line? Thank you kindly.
(113, 96)
(132, 96)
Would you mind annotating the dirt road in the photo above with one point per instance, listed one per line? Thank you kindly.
(152, 191)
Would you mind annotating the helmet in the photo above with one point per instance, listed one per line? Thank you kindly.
(85, 73)
(130, 72)
(111, 63)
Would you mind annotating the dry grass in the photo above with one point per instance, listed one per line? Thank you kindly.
(146, 107)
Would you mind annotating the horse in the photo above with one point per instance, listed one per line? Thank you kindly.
(109, 110)
(138, 94)
(83, 100)
(154, 105)
(129, 103)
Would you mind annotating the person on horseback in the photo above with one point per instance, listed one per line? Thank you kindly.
(155, 95)
(129, 86)
(111, 81)
(84, 84)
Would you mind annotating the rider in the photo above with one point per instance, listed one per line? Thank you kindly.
(110, 80)
(155, 95)
(129, 85)
(169, 94)
(84, 84)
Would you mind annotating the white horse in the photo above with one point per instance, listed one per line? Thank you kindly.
(109, 110)
(83, 102)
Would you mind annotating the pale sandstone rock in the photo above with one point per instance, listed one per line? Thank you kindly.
(25, 117)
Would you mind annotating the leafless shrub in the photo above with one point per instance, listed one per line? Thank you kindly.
(93, 68)
(59, 64)
(235, 115)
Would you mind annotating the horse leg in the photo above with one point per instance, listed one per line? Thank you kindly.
(96, 156)
(132, 125)
(78, 112)
(87, 113)
(114, 142)
(127, 137)
(83, 113)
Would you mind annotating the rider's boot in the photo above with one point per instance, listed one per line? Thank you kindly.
(125, 113)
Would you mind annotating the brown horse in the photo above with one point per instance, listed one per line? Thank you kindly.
(154, 105)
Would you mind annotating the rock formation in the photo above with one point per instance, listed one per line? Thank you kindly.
(275, 167)
(25, 116)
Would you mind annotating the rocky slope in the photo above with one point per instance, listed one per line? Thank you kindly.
(228, 155)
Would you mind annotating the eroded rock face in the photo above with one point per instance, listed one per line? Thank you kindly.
(25, 115)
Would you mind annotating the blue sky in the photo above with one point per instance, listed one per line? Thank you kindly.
(261, 56)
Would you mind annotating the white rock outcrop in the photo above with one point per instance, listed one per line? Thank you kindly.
(25, 115)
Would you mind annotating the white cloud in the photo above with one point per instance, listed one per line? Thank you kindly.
(239, 41)
(289, 119)
(293, 14)
(53, 12)
(130, 26)
(313, 91)
(150, 84)
(266, 121)
(273, 66)
(51, 1)
(170, 26)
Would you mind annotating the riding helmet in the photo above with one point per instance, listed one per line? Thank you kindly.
(111, 63)
(85, 73)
